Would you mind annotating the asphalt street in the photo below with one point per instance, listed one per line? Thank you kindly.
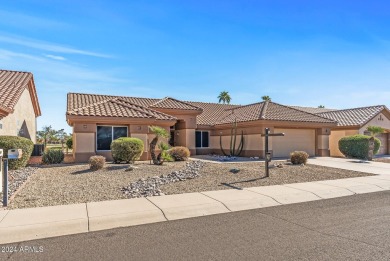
(347, 228)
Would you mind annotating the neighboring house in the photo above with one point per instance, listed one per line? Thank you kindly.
(99, 119)
(355, 121)
(19, 105)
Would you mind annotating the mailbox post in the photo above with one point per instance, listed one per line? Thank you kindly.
(12, 155)
(268, 156)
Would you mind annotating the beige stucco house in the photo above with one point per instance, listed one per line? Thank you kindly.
(19, 106)
(99, 119)
(355, 121)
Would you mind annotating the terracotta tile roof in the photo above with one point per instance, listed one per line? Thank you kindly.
(355, 116)
(78, 100)
(171, 103)
(270, 111)
(118, 107)
(312, 109)
(211, 112)
(12, 85)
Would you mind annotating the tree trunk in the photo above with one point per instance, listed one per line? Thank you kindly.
(152, 147)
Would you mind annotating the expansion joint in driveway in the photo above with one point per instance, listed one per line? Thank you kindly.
(158, 208)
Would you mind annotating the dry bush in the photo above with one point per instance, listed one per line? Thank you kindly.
(96, 162)
(299, 157)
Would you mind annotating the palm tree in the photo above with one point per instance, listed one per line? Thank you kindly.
(160, 133)
(224, 97)
(266, 98)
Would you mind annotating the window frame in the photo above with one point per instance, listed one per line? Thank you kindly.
(201, 139)
(112, 133)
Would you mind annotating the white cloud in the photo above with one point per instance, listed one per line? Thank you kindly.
(49, 47)
(55, 57)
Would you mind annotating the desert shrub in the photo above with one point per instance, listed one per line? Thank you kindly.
(14, 142)
(69, 143)
(96, 162)
(356, 146)
(299, 157)
(179, 153)
(127, 149)
(53, 156)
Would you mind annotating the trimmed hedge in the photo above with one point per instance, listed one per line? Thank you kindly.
(53, 156)
(356, 146)
(14, 142)
(126, 149)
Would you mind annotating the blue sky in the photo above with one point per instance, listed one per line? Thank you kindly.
(334, 53)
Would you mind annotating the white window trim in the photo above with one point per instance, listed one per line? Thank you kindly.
(112, 133)
(201, 139)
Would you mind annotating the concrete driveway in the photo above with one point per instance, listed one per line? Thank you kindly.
(378, 168)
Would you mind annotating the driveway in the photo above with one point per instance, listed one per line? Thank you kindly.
(378, 168)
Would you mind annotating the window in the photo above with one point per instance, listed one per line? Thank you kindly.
(106, 134)
(202, 139)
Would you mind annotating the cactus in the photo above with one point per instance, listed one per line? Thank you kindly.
(233, 140)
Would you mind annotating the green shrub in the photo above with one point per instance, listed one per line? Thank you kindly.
(14, 142)
(126, 149)
(96, 162)
(299, 157)
(179, 153)
(69, 143)
(53, 156)
(356, 146)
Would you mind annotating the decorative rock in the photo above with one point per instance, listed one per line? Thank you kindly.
(151, 185)
(234, 171)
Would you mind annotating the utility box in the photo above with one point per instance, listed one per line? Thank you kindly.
(15, 153)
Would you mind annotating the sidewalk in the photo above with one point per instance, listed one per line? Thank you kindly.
(28, 224)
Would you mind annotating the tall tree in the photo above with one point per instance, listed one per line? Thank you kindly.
(46, 134)
(266, 98)
(224, 97)
(61, 135)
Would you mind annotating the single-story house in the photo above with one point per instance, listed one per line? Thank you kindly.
(19, 106)
(99, 119)
(355, 121)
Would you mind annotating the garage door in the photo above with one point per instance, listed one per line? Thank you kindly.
(384, 143)
(294, 139)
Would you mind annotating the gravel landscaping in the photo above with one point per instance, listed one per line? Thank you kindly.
(17, 178)
(75, 183)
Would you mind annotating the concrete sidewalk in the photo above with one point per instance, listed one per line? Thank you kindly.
(27, 224)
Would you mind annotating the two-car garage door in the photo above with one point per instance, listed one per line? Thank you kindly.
(294, 139)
